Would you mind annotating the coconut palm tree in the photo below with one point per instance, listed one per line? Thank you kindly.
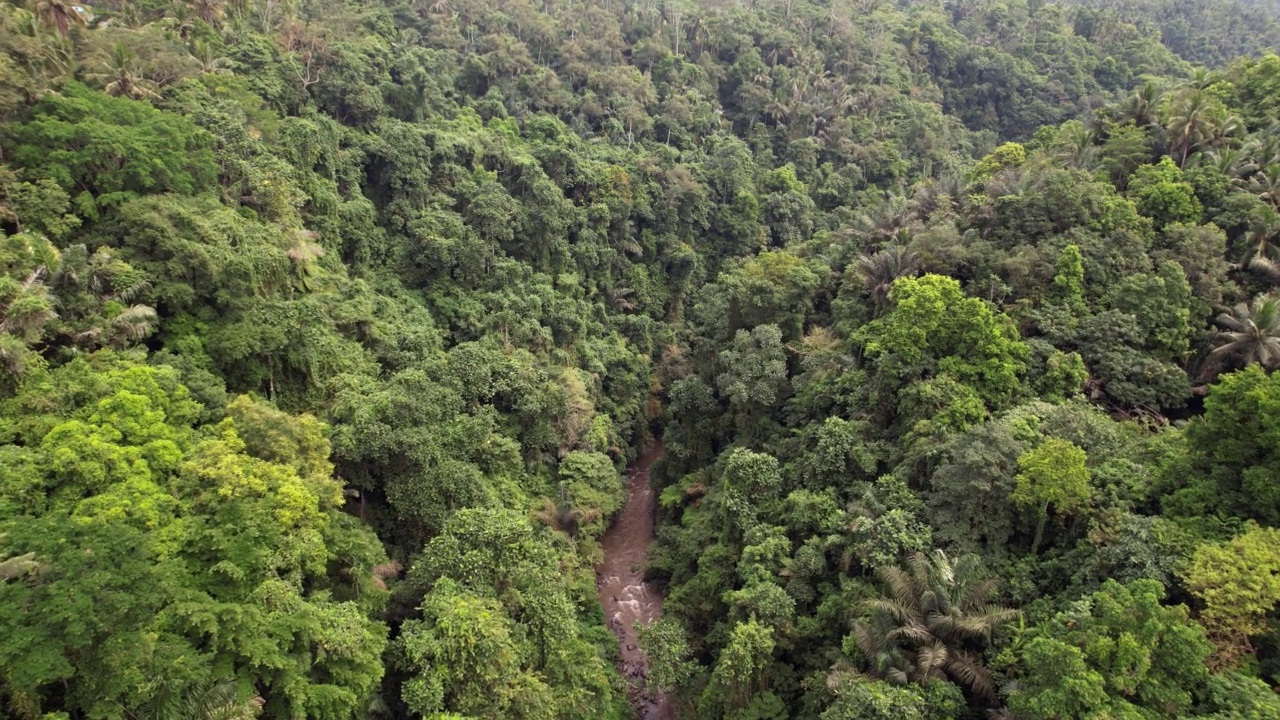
(1266, 185)
(1201, 79)
(563, 515)
(1191, 124)
(1075, 148)
(879, 270)
(1252, 332)
(1234, 164)
(1262, 253)
(932, 622)
(57, 15)
(211, 63)
(1140, 107)
(120, 75)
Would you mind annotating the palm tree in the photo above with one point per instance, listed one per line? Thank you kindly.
(27, 305)
(1191, 124)
(131, 325)
(219, 700)
(57, 15)
(620, 299)
(886, 221)
(1201, 79)
(933, 620)
(1252, 332)
(1266, 185)
(879, 270)
(1262, 254)
(120, 75)
(1076, 147)
(305, 254)
(563, 515)
(1234, 164)
(211, 63)
(210, 11)
(1141, 105)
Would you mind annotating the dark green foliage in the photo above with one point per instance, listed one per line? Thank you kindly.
(295, 296)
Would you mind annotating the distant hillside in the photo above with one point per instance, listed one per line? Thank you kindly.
(1206, 32)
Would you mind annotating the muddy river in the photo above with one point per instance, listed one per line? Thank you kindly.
(624, 594)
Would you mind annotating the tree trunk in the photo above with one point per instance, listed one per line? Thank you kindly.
(1044, 515)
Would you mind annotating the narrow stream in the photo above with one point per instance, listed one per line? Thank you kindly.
(624, 594)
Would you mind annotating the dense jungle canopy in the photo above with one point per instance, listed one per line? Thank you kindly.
(327, 329)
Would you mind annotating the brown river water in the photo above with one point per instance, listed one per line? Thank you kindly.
(624, 595)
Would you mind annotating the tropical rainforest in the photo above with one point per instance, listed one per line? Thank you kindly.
(329, 327)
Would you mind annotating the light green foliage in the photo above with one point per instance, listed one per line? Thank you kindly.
(1163, 196)
(1119, 653)
(1259, 87)
(490, 597)
(740, 677)
(1008, 155)
(862, 698)
(1060, 202)
(592, 481)
(841, 452)
(884, 523)
(278, 276)
(1238, 583)
(1059, 683)
(749, 480)
(666, 646)
(933, 327)
(1052, 475)
(235, 541)
(1161, 304)
(108, 149)
(1068, 281)
(1234, 696)
(467, 658)
(1064, 376)
(1126, 148)
(774, 287)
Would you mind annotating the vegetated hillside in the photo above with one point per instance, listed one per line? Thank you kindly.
(327, 329)
(1207, 32)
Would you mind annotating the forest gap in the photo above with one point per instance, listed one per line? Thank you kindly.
(624, 594)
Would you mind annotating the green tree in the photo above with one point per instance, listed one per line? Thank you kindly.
(932, 327)
(932, 615)
(740, 681)
(113, 147)
(1162, 195)
(1053, 474)
(1231, 463)
(1238, 583)
(755, 368)
(1119, 651)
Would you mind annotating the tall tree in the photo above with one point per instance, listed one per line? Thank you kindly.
(1251, 332)
(933, 616)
